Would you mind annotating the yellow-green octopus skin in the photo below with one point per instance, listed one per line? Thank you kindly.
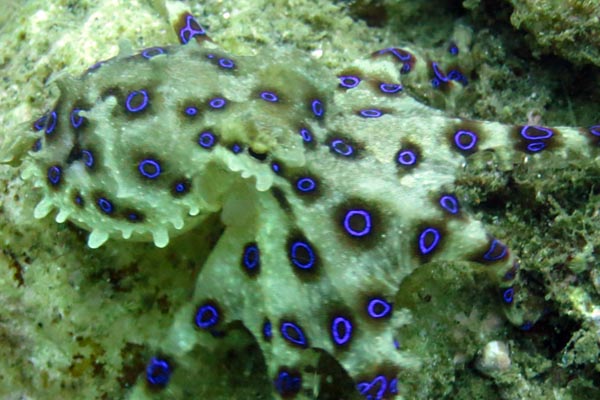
(332, 190)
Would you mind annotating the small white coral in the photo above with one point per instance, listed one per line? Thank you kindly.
(494, 358)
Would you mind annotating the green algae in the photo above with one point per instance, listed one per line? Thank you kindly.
(82, 323)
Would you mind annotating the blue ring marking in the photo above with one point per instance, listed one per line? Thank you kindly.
(449, 203)
(536, 146)
(251, 257)
(453, 49)
(370, 113)
(54, 175)
(342, 148)
(471, 137)
(236, 148)
(298, 261)
(378, 308)
(105, 205)
(191, 111)
(296, 336)
(78, 200)
(207, 316)
(438, 72)
(37, 146)
(366, 220)
(269, 96)
(405, 69)
(288, 383)
(527, 325)
(349, 81)
(508, 295)
(494, 246)
(217, 103)
(317, 108)
(306, 184)
(595, 130)
(431, 235)
(276, 167)
(548, 133)
(152, 52)
(267, 330)
(393, 387)
(456, 75)
(180, 187)
(154, 166)
(40, 123)
(341, 330)
(144, 103)
(400, 54)
(51, 123)
(206, 139)
(158, 372)
(96, 66)
(210, 56)
(88, 158)
(365, 387)
(406, 158)
(390, 88)
(191, 29)
(435, 83)
(76, 119)
(226, 63)
(307, 135)
(133, 217)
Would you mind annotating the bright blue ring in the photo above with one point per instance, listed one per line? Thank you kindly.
(387, 308)
(105, 205)
(449, 203)
(158, 372)
(248, 253)
(370, 113)
(300, 184)
(153, 164)
(469, 146)
(142, 105)
(88, 158)
(390, 88)
(426, 249)
(311, 255)
(348, 151)
(269, 96)
(226, 63)
(548, 132)
(403, 160)
(54, 174)
(300, 340)
(217, 103)
(346, 326)
(317, 108)
(213, 316)
(206, 140)
(76, 119)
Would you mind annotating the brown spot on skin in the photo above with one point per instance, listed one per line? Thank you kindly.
(133, 362)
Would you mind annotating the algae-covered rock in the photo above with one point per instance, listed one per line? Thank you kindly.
(568, 28)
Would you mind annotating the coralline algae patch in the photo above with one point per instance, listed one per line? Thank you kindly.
(164, 354)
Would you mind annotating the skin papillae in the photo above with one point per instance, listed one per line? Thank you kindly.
(332, 189)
